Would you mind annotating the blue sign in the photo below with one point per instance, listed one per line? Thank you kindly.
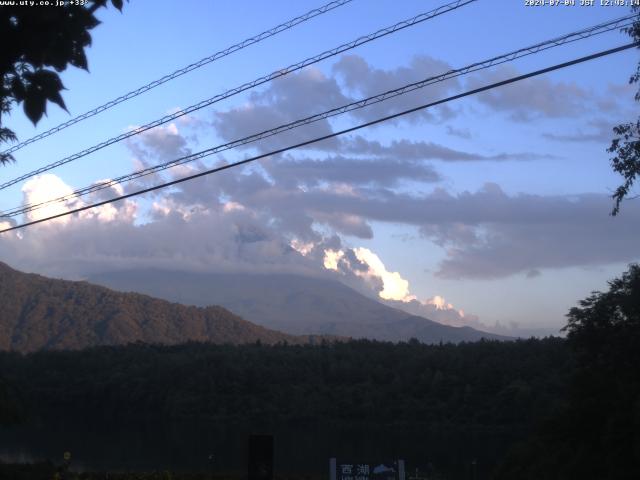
(349, 470)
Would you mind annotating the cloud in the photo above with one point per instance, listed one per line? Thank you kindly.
(363, 80)
(421, 150)
(484, 234)
(42, 188)
(332, 258)
(526, 233)
(290, 213)
(224, 237)
(601, 132)
(161, 143)
(436, 308)
(285, 100)
(533, 273)
(618, 96)
(346, 224)
(366, 265)
(391, 288)
(463, 133)
(348, 171)
(394, 287)
(530, 98)
(310, 92)
(247, 220)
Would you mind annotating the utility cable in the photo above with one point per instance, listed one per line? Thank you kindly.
(511, 56)
(189, 68)
(247, 86)
(331, 135)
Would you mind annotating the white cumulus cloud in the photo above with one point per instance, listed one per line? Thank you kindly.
(394, 287)
(43, 188)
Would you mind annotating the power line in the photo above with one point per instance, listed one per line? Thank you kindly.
(567, 38)
(247, 86)
(332, 135)
(189, 68)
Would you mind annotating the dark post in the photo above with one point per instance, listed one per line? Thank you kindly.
(261, 457)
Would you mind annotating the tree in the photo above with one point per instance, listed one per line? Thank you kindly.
(35, 39)
(605, 318)
(604, 333)
(597, 432)
(626, 145)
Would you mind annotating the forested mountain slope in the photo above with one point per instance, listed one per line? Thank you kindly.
(43, 313)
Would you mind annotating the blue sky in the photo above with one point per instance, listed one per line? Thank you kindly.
(519, 233)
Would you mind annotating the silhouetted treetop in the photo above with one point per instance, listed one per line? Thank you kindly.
(34, 41)
(626, 144)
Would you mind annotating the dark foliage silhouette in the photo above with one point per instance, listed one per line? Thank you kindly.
(38, 42)
(626, 144)
(595, 435)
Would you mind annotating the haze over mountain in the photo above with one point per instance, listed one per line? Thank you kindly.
(43, 313)
(290, 303)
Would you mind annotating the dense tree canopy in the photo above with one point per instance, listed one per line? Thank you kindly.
(454, 400)
(34, 41)
(596, 435)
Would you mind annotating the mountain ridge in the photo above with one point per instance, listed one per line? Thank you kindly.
(44, 313)
(291, 303)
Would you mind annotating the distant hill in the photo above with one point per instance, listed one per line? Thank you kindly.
(291, 303)
(42, 313)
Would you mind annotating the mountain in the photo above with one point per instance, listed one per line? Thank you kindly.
(290, 303)
(42, 313)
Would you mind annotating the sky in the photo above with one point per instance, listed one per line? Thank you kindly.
(491, 211)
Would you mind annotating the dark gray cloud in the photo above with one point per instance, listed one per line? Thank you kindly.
(159, 144)
(344, 223)
(363, 80)
(228, 238)
(310, 91)
(354, 171)
(464, 133)
(285, 100)
(421, 150)
(531, 98)
(486, 234)
(600, 131)
(533, 273)
(618, 97)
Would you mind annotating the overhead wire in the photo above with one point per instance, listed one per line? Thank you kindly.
(449, 7)
(328, 136)
(182, 71)
(454, 73)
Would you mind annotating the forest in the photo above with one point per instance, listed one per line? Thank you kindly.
(487, 394)
(539, 408)
(484, 384)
